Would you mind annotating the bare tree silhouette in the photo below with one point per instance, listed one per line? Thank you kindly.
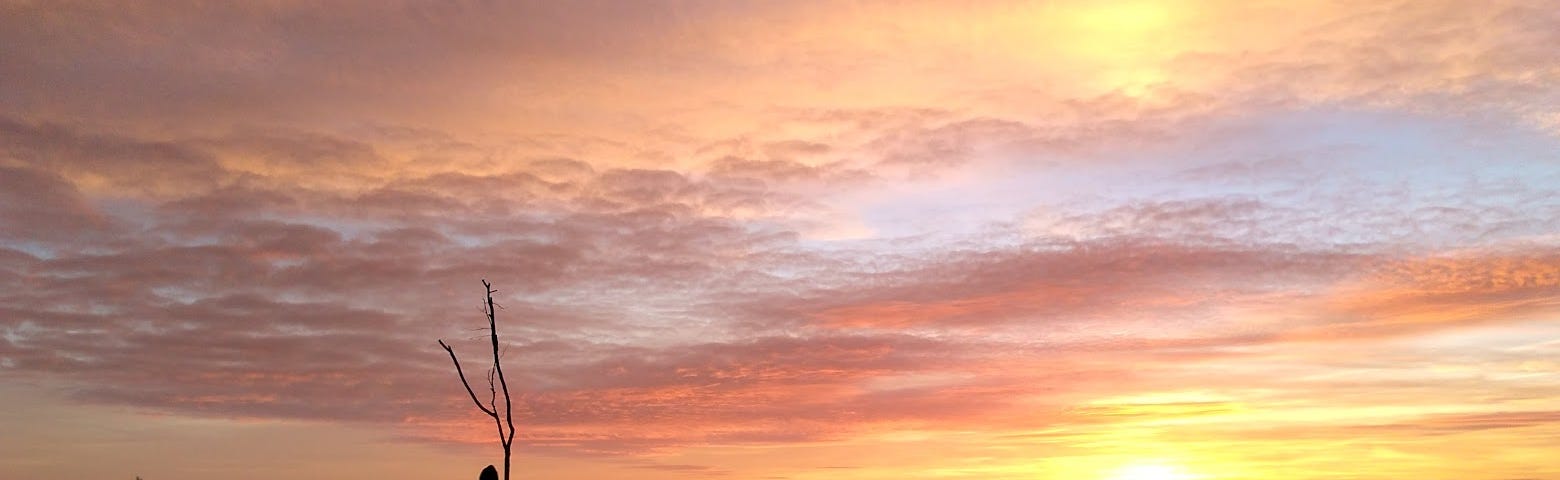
(506, 436)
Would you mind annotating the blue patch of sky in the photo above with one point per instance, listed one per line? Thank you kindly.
(39, 250)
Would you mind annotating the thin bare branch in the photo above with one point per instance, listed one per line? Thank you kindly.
(493, 404)
(458, 371)
(492, 392)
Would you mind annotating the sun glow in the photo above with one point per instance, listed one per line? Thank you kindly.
(1151, 471)
(1125, 17)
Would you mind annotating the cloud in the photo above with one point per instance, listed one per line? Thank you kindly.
(1057, 282)
(1456, 423)
(41, 207)
(655, 309)
(151, 167)
(1413, 295)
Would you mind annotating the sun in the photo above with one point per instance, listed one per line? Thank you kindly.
(1151, 471)
(1134, 17)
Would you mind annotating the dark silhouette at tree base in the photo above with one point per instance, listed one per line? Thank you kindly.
(488, 473)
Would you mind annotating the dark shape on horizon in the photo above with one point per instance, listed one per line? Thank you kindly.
(506, 436)
(488, 473)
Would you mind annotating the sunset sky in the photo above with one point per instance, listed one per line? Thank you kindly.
(856, 240)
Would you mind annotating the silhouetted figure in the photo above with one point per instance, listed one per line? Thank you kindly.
(489, 473)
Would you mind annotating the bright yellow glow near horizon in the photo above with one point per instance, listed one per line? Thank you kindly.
(1151, 471)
